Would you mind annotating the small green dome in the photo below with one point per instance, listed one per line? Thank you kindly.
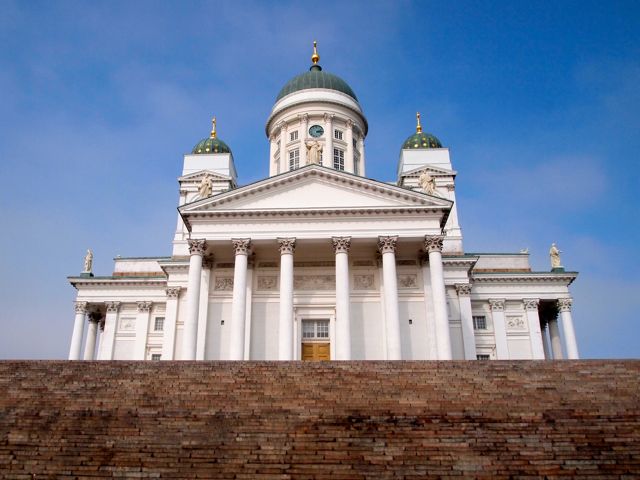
(316, 78)
(211, 145)
(422, 140)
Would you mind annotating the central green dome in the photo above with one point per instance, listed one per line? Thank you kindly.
(316, 78)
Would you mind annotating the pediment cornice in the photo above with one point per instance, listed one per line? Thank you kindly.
(433, 171)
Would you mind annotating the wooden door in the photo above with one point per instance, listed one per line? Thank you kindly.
(316, 351)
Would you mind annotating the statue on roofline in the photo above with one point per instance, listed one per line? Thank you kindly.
(88, 262)
(554, 256)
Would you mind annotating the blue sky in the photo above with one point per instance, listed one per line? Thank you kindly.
(538, 101)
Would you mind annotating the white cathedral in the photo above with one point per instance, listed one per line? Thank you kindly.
(320, 262)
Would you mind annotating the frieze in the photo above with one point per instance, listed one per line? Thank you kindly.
(314, 282)
(515, 322)
(363, 282)
(127, 323)
(363, 263)
(267, 282)
(407, 281)
(223, 284)
(268, 265)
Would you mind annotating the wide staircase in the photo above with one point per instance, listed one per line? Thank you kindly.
(351, 420)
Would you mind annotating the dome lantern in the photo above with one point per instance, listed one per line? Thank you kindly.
(211, 144)
(421, 139)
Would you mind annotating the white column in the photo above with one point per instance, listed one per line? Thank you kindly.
(349, 160)
(285, 325)
(170, 320)
(466, 319)
(302, 136)
(78, 330)
(203, 307)
(545, 342)
(556, 343)
(239, 305)
(248, 309)
(432, 345)
(564, 306)
(361, 170)
(273, 147)
(387, 247)
(433, 245)
(499, 328)
(341, 247)
(92, 334)
(109, 334)
(327, 155)
(535, 332)
(142, 330)
(197, 248)
(284, 158)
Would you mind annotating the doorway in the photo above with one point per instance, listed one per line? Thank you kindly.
(315, 340)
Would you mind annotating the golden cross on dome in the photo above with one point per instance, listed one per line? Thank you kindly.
(315, 58)
(418, 126)
(213, 127)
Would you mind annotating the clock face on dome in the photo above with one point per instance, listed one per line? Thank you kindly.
(316, 131)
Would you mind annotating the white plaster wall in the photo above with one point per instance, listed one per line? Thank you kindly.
(519, 347)
(123, 349)
(217, 341)
(366, 328)
(457, 342)
(264, 328)
(411, 159)
(221, 163)
(512, 260)
(413, 336)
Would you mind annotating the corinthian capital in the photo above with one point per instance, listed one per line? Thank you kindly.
(197, 246)
(287, 245)
(144, 306)
(241, 246)
(463, 289)
(496, 304)
(564, 304)
(433, 243)
(387, 244)
(341, 244)
(81, 307)
(530, 303)
(173, 292)
(112, 307)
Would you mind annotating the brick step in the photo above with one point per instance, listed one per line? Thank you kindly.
(319, 420)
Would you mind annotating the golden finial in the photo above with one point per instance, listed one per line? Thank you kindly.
(315, 58)
(418, 126)
(213, 127)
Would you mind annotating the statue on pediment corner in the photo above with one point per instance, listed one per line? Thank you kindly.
(554, 256)
(88, 262)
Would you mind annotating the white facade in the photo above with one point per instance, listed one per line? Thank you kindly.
(319, 255)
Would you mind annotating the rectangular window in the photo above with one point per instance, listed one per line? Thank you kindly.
(355, 144)
(293, 135)
(479, 322)
(156, 356)
(158, 324)
(315, 329)
(337, 134)
(338, 159)
(294, 159)
(482, 356)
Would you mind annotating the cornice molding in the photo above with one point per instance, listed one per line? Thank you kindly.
(563, 279)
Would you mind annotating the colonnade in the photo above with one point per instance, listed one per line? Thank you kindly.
(341, 246)
(551, 331)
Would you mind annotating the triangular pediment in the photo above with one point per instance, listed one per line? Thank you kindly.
(316, 188)
(433, 171)
(199, 175)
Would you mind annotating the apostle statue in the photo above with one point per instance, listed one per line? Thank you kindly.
(427, 183)
(314, 152)
(206, 187)
(88, 261)
(554, 256)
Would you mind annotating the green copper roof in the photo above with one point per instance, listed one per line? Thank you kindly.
(422, 140)
(211, 145)
(316, 78)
